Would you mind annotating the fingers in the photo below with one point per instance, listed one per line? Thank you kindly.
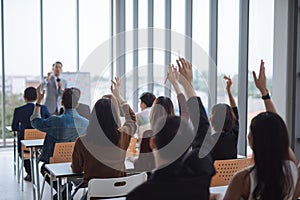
(254, 76)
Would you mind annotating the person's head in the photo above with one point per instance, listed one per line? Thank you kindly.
(172, 138)
(162, 106)
(222, 118)
(70, 98)
(147, 99)
(30, 94)
(57, 68)
(103, 122)
(268, 138)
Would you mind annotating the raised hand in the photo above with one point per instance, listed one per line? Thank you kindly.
(185, 70)
(115, 87)
(173, 77)
(173, 74)
(228, 83)
(261, 81)
(40, 95)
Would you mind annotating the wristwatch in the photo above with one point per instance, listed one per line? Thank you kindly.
(38, 105)
(267, 96)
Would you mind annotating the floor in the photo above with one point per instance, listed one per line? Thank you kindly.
(9, 187)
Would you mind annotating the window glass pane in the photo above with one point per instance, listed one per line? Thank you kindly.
(22, 52)
(261, 26)
(159, 44)
(129, 49)
(228, 45)
(94, 24)
(59, 25)
(94, 33)
(200, 36)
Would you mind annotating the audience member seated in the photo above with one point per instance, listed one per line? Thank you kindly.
(82, 109)
(161, 105)
(21, 121)
(224, 120)
(179, 174)
(143, 117)
(62, 128)
(274, 174)
(101, 152)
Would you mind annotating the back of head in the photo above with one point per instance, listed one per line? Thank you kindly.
(162, 106)
(30, 94)
(173, 136)
(148, 98)
(270, 146)
(222, 118)
(70, 97)
(103, 123)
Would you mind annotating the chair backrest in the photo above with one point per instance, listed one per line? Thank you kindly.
(62, 152)
(33, 134)
(114, 187)
(225, 169)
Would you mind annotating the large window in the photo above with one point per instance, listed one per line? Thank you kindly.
(59, 32)
(261, 23)
(22, 52)
(228, 47)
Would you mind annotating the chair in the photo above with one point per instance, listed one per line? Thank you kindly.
(114, 187)
(225, 169)
(29, 134)
(62, 153)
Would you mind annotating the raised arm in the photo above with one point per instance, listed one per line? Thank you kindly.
(196, 109)
(261, 84)
(129, 126)
(228, 89)
(173, 77)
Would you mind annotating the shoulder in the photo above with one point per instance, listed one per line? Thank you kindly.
(239, 185)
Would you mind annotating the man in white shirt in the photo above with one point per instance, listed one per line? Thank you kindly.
(143, 117)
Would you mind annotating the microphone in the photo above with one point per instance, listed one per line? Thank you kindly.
(58, 79)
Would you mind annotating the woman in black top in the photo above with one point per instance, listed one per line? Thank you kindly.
(224, 120)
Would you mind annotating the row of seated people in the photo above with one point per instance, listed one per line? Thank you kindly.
(180, 150)
(21, 118)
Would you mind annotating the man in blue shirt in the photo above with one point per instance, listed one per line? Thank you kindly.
(21, 121)
(62, 128)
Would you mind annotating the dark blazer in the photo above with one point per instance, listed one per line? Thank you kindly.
(187, 178)
(21, 119)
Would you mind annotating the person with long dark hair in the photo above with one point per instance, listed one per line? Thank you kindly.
(274, 174)
(101, 152)
(162, 106)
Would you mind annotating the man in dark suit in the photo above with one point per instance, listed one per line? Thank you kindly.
(21, 121)
(54, 86)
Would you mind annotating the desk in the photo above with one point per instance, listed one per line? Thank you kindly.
(33, 145)
(60, 170)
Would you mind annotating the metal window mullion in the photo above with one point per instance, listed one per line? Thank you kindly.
(213, 46)
(111, 39)
(120, 46)
(42, 39)
(135, 54)
(150, 46)
(243, 75)
(3, 76)
(168, 17)
(77, 34)
(188, 29)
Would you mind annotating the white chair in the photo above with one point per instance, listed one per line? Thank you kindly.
(114, 187)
